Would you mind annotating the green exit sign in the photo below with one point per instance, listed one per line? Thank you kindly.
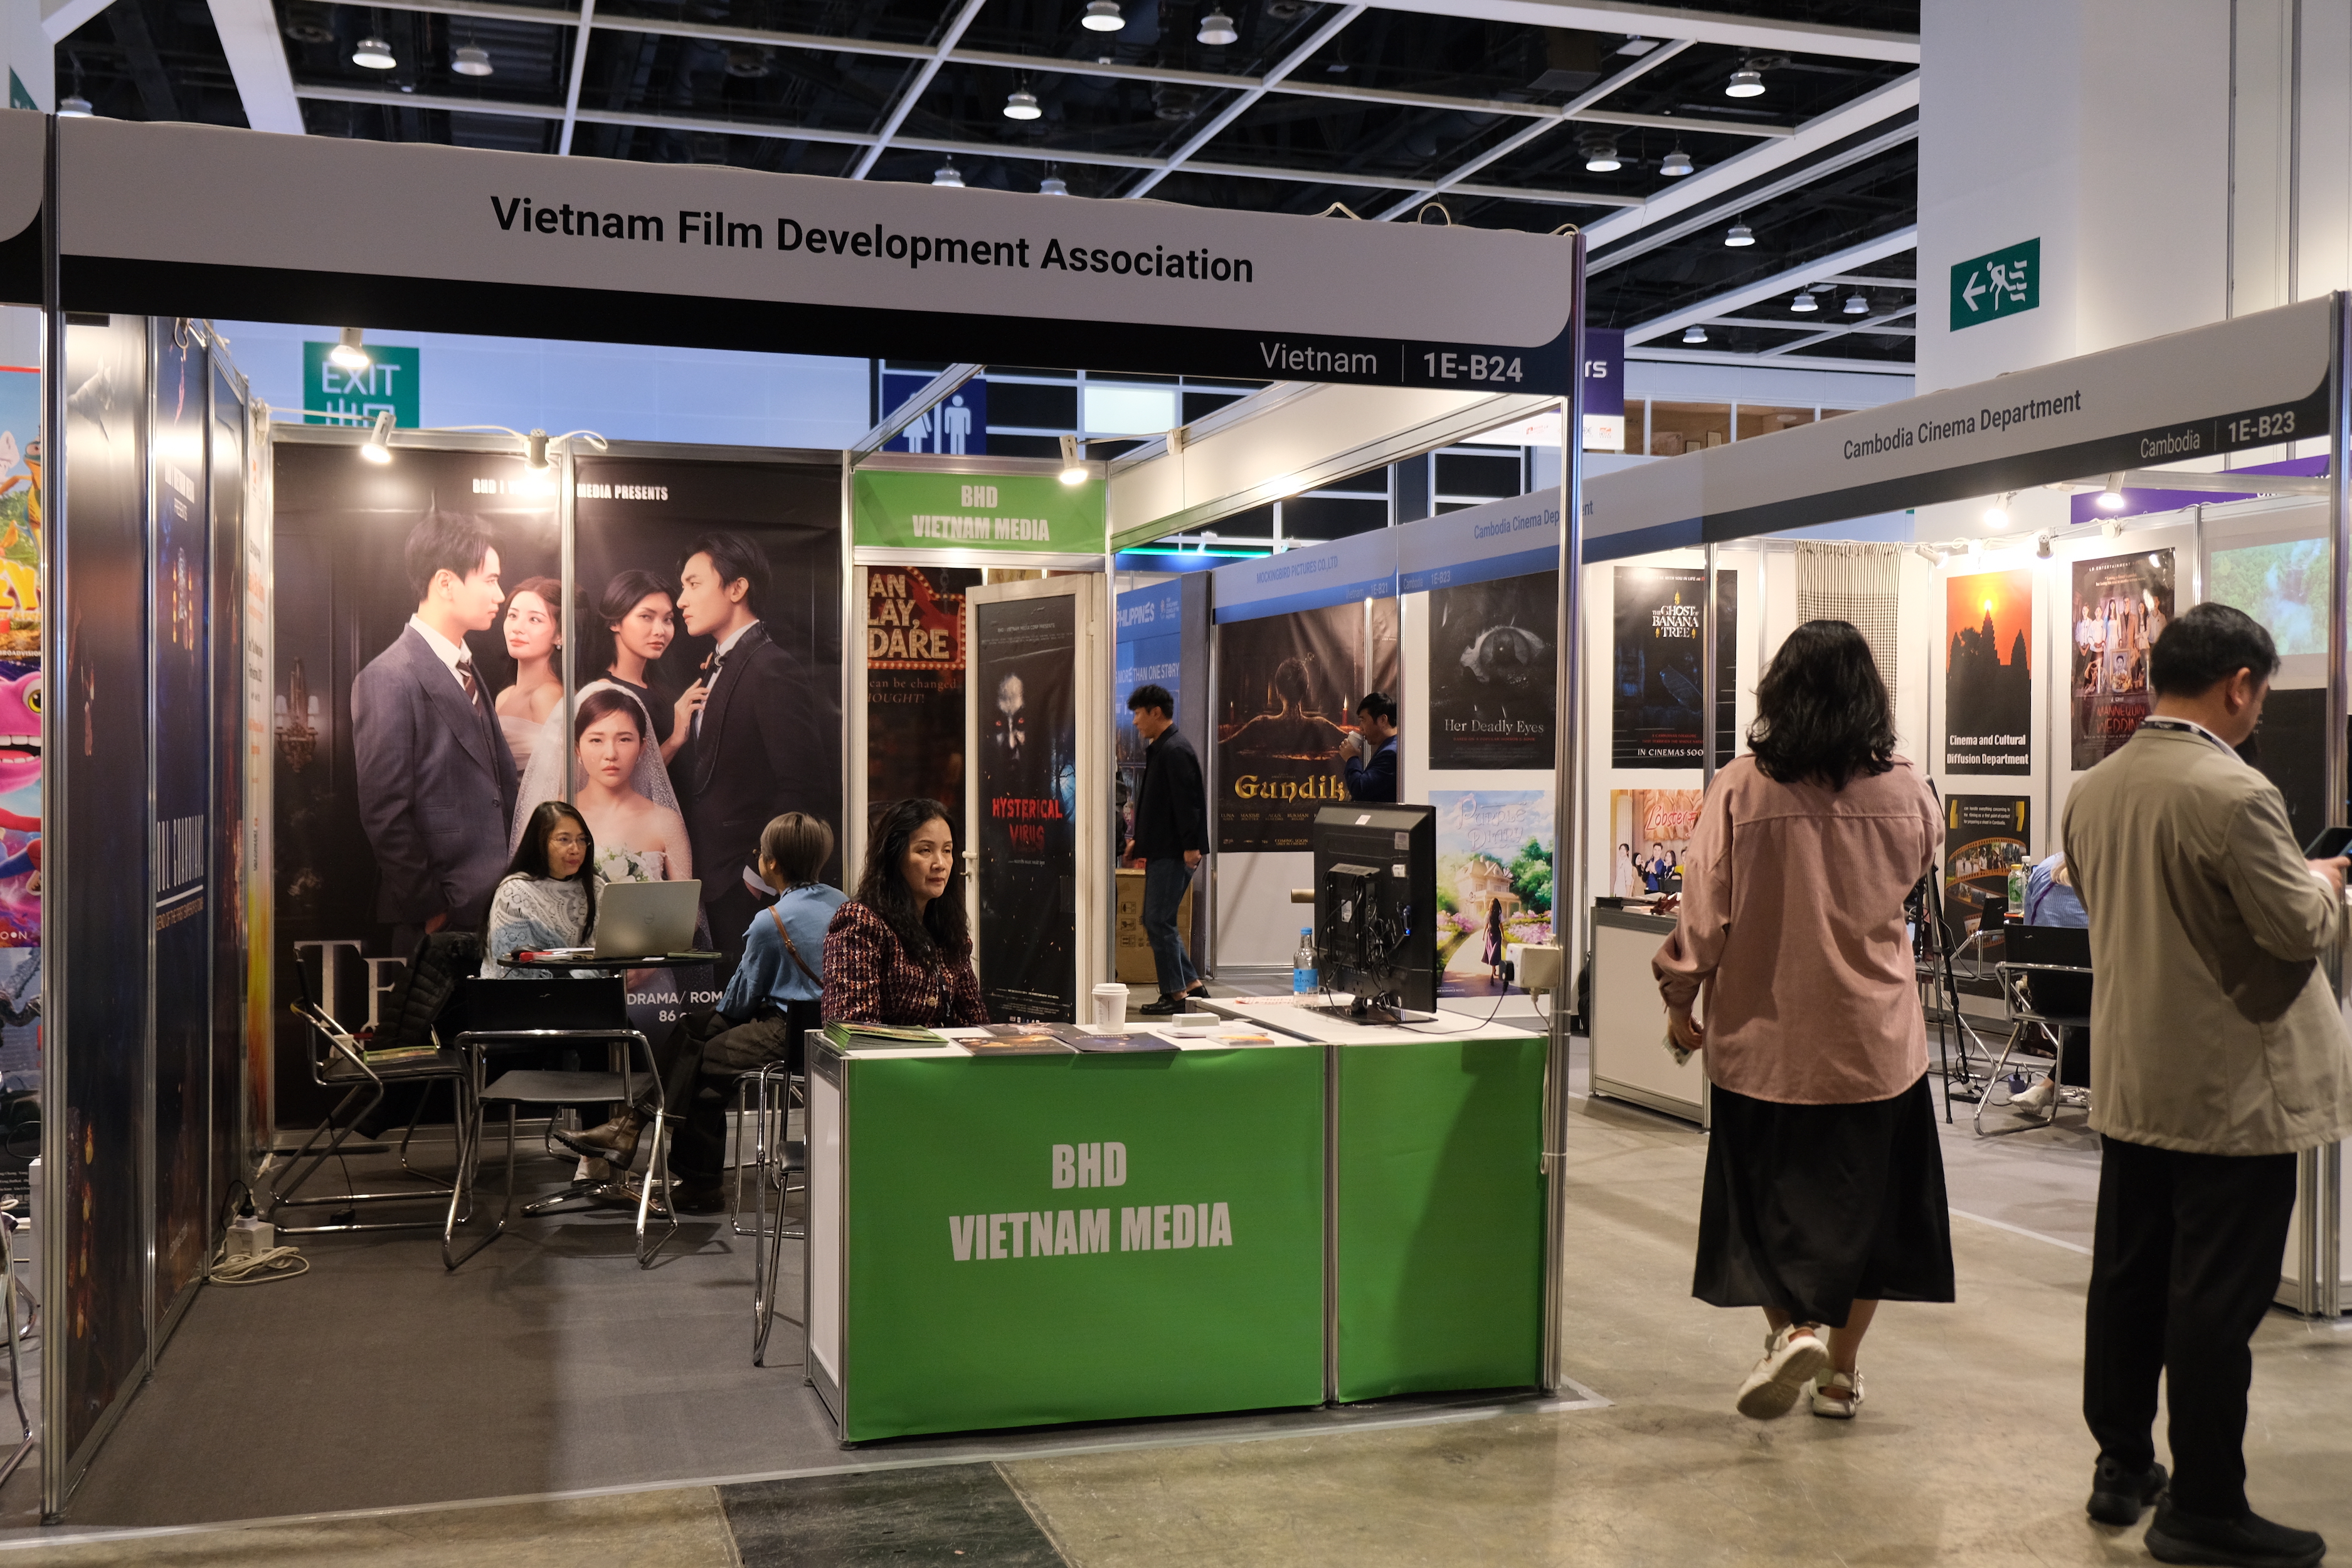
(333, 396)
(2000, 283)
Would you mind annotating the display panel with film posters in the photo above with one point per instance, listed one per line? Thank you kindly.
(1648, 831)
(1982, 834)
(1149, 651)
(914, 686)
(1987, 673)
(1494, 685)
(1656, 689)
(1024, 676)
(2121, 605)
(1494, 874)
(1286, 691)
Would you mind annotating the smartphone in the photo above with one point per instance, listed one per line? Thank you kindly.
(2329, 843)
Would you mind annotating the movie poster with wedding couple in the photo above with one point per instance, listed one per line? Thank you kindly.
(2121, 605)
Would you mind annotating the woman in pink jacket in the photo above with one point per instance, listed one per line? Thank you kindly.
(1824, 1189)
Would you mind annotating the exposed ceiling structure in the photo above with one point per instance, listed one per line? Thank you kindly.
(1656, 128)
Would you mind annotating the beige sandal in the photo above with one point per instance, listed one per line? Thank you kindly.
(1829, 1404)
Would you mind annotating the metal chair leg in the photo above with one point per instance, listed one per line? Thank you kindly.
(657, 1168)
(506, 1210)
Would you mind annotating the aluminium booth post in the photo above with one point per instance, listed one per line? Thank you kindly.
(2323, 1169)
(1567, 900)
(1710, 643)
(49, 1224)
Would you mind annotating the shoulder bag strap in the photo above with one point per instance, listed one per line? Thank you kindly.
(790, 948)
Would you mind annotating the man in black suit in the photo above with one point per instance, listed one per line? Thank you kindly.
(1171, 829)
(435, 781)
(1373, 777)
(752, 742)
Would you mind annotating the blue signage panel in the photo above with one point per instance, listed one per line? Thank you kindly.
(956, 428)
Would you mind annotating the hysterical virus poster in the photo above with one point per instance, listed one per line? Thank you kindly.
(1024, 676)
(2121, 605)
(1988, 676)
(1656, 686)
(1982, 834)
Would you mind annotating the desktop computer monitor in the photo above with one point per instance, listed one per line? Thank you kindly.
(1376, 905)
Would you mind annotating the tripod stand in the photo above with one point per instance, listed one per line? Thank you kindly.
(1932, 943)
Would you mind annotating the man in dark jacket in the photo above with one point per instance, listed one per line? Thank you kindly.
(1172, 830)
(1372, 750)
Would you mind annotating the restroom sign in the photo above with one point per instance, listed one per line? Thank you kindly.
(333, 396)
(2001, 283)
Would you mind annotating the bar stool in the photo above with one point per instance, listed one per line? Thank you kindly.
(768, 1096)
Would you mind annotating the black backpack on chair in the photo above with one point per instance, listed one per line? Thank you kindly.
(423, 989)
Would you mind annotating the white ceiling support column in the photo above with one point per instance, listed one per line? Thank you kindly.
(915, 88)
(1867, 324)
(1724, 304)
(580, 37)
(256, 62)
(59, 17)
(1655, 58)
(1756, 33)
(1240, 105)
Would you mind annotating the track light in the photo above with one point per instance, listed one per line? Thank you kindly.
(374, 54)
(1217, 30)
(2112, 498)
(1740, 236)
(1804, 303)
(347, 356)
(1052, 185)
(1746, 82)
(1102, 16)
(1676, 164)
(534, 451)
(947, 173)
(1694, 334)
(379, 442)
(73, 106)
(1074, 462)
(1020, 105)
(1855, 305)
(2042, 544)
(471, 59)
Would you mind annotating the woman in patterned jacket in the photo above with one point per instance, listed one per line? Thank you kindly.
(901, 952)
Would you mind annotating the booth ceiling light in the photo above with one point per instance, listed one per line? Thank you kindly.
(1052, 185)
(1102, 16)
(1217, 30)
(1020, 105)
(1599, 150)
(2042, 544)
(1694, 334)
(1997, 515)
(471, 59)
(1740, 236)
(534, 451)
(73, 106)
(1074, 462)
(374, 54)
(1855, 305)
(2112, 498)
(379, 442)
(1746, 82)
(346, 354)
(947, 173)
(1676, 164)
(1803, 304)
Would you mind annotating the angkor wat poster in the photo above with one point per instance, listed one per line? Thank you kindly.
(1987, 673)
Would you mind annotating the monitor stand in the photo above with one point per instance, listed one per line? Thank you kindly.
(1373, 1012)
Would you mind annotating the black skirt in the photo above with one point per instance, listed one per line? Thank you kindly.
(1810, 1209)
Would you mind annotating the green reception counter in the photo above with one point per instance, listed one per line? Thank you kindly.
(1286, 1211)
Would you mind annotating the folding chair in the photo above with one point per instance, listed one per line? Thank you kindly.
(2042, 998)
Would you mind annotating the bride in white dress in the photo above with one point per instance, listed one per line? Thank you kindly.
(617, 782)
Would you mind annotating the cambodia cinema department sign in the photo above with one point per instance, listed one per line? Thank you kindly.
(950, 517)
(190, 220)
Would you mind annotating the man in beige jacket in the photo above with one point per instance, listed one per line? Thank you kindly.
(2218, 1053)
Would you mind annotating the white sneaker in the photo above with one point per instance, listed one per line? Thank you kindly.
(1791, 1357)
(2034, 1099)
(1837, 1409)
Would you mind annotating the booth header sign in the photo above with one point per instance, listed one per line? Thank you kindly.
(996, 514)
(2252, 381)
(1480, 543)
(1361, 567)
(180, 219)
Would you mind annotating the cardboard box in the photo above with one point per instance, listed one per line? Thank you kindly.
(1135, 970)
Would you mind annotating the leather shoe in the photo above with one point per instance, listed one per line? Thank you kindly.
(2118, 1494)
(2250, 1540)
(1164, 1007)
(697, 1197)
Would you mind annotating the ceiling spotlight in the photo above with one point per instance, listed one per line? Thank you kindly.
(1746, 82)
(1803, 304)
(2112, 498)
(1997, 515)
(1074, 462)
(1102, 16)
(1675, 164)
(2042, 544)
(1217, 30)
(1601, 155)
(73, 106)
(1022, 104)
(1052, 185)
(947, 173)
(379, 442)
(374, 54)
(1694, 334)
(1740, 236)
(346, 354)
(471, 59)
(534, 451)
(1855, 305)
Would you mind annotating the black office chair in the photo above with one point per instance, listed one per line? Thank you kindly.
(2045, 984)
(517, 1014)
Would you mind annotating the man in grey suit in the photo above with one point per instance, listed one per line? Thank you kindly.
(436, 783)
(2216, 1054)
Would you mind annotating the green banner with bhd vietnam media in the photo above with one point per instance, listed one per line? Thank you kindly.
(949, 517)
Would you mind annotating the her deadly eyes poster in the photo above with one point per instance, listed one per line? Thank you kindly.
(1494, 685)
(1656, 687)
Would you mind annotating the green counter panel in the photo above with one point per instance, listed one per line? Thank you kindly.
(1126, 1322)
(1441, 1200)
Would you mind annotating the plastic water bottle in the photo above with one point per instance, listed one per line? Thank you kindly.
(1304, 981)
(2017, 891)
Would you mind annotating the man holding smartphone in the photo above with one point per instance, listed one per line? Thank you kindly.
(2218, 1054)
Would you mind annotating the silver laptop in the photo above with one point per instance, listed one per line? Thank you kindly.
(644, 919)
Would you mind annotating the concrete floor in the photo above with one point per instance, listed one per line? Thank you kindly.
(1969, 1451)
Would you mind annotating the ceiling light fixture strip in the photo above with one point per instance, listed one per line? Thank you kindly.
(1895, 242)
(1875, 323)
(914, 90)
(1323, 35)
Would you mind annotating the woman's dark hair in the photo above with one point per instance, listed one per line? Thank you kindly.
(2207, 643)
(623, 593)
(601, 702)
(530, 854)
(1822, 714)
(882, 886)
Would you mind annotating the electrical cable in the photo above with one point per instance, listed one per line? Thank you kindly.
(259, 1269)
